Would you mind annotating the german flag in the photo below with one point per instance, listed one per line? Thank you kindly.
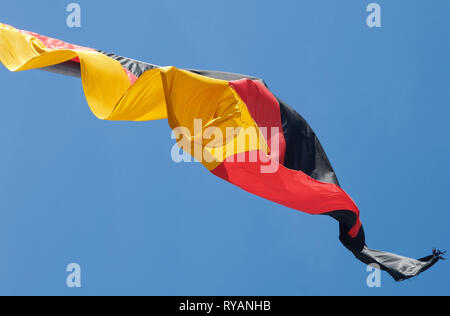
(285, 164)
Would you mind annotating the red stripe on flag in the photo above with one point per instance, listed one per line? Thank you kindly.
(53, 43)
(287, 187)
(265, 110)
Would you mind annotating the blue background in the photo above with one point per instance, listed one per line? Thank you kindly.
(107, 195)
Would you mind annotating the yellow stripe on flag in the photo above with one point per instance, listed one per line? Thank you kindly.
(178, 95)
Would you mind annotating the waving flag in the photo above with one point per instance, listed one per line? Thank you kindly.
(286, 164)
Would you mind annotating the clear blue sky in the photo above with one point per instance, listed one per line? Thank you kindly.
(107, 195)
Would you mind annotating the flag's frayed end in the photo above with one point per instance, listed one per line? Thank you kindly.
(439, 255)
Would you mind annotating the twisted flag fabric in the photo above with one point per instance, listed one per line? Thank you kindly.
(301, 177)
